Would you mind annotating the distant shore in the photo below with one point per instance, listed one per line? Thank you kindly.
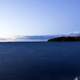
(63, 38)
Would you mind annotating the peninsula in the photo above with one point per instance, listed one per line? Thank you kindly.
(65, 38)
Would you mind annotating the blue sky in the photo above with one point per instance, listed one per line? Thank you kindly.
(39, 17)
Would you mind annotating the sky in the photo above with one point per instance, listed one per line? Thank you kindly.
(39, 17)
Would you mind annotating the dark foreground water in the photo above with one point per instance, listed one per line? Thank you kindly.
(39, 61)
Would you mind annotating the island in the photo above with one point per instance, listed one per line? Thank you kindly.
(65, 38)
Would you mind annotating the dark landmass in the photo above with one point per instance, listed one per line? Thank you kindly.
(68, 38)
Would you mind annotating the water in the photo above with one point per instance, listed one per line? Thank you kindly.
(39, 61)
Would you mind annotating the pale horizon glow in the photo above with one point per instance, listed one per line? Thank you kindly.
(38, 17)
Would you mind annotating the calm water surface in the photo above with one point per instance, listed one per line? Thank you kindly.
(39, 61)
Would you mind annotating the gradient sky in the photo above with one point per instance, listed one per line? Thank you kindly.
(39, 17)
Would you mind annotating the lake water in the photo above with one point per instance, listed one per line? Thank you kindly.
(39, 61)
